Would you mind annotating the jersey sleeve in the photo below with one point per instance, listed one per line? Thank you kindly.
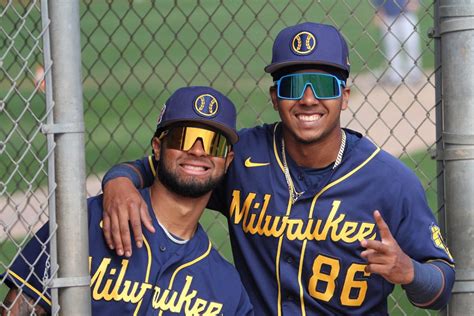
(245, 307)
(30, 272)
(141, 172)
(418, 233)
(419, 236)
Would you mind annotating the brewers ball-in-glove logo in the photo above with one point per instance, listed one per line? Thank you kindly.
(303, 43)
(206, 105)
(438, 239)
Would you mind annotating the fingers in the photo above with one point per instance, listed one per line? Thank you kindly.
(136, 219)
(367, 253)
(375, 268)
(373, 244)
(106, 230)
(115, 231)
(374, 257)
(124, 227)
(136, 229)
(146, 218)
(385, 233)
(124, 207)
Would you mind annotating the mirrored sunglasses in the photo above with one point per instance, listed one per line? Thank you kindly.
(183, 138)
(324, 86)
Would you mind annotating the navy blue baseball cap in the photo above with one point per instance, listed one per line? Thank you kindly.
(309, 44)
(202, 105)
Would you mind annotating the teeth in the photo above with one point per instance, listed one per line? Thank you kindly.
(194, 167)
(309, 118)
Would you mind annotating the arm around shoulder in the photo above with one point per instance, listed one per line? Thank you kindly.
(124, 206)
(140, 172)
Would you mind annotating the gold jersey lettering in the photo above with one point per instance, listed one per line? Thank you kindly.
(108, 284)
(235, 210)
(214, 309)
(185, 298)
(198, 307)
(332, 223)
(335, 227)
(160, 299)
(183, 301)
(101, 286)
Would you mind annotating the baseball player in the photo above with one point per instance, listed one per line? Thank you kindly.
(322, 221)
(177, 271)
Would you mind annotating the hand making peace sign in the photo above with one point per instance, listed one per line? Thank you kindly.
(385, 257)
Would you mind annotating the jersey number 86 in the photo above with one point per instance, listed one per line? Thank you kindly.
(354, 288)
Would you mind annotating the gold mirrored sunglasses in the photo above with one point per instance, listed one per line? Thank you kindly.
(183, 138)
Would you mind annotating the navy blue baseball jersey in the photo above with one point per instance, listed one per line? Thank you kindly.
(303, 258)
(162, 278)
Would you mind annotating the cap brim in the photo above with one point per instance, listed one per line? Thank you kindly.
(277, 66)
(228, 132)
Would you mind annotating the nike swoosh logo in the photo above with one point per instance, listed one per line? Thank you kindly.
(250, 164)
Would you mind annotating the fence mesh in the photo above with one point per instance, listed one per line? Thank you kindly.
(23, 148)
(136, 53)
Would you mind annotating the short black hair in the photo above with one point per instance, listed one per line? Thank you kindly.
(339, 73)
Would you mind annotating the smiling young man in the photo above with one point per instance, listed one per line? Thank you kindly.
(177, 272)
(322, 221)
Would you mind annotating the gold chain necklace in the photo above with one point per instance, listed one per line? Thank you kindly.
(295, 195)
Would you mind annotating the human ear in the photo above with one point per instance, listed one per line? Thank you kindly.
(274, 97)
(228, 160)
(346, 92)
(156, 144)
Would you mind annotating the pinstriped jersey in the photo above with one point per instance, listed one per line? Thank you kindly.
(161, 278)
(303, 258)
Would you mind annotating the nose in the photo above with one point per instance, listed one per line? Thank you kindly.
(308, 97)
(197, 149)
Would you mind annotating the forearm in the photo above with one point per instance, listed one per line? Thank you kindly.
(138, 172)
(432, 284)
(17, 304)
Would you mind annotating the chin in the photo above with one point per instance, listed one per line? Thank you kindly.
(307, 137)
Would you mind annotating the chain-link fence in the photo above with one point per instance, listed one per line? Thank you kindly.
(23, 148)
(135, 53)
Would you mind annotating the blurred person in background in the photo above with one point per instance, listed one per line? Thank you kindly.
(398, 24)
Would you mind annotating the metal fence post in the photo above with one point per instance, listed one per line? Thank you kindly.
(434, 33)
(72, 236)
(457, 51)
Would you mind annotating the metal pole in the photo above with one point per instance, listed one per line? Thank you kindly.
(434, 33)
(72, 236)
(45, 22)
(457, 57)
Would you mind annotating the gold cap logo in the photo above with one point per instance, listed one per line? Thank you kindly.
(303, 43)
(206, 105)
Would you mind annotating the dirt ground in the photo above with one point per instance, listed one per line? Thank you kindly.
(397, 118)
